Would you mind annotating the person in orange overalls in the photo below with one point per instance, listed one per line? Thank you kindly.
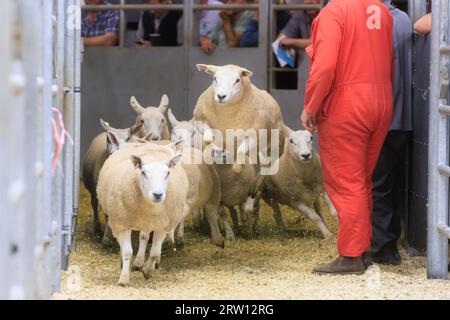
(349, 100)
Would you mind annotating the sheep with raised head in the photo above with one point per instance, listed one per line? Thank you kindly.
(99, 150)
(204, 183)
(233, 102)
(298, 182)
(143, 188)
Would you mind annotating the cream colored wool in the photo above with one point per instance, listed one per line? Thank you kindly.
(257, 109)
(121, 198)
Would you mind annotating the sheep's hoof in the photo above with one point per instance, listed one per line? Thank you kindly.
(327, 235)
(146, 272)
(179, 244)
(230, 237)
(137, 266)
(219, 242)
(98, 232)
(123, 281)
(107, 243)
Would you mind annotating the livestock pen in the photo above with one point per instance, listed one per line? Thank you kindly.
(53, 92)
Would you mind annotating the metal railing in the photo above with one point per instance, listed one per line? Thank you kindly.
(31, 202)
(438, 168)
(189, 8)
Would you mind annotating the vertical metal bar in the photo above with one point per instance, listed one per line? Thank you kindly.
(31, 61)
(57, 187)
(123, 26)
(188, 31)
(437, 243)
(16, 181)
(5, 143)
(416, 9)
(76, 128)
(264, 35)
(68, 113)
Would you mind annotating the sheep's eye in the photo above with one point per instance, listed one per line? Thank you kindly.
(168, 174)
(312, 139)
(238, 80)
(291, 140)
(144, 174)
(215, 79)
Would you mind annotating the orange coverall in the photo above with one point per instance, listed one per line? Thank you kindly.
(350, 91)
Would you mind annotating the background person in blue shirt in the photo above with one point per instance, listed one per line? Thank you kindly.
(385, 218)
(100, 28)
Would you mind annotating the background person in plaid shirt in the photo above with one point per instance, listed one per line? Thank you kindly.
(100, 28)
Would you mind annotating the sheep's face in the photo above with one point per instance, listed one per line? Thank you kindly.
(115, 138)
(301, 145)
(227, 82)
(153, 177)
(152, 118)
(185, 132)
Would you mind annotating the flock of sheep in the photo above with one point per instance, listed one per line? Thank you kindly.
(146, 178)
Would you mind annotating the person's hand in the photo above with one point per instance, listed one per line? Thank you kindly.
(226, 14)
(308, 121)
(207, 45)
(285, 41)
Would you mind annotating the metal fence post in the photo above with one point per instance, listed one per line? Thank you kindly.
(76, 127)
(437, 240)
(416, 9)
(5, 142)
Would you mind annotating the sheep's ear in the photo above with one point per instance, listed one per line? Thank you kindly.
(137, 126)
(112, 139)
(136, 105)
(173, 121)
(287, 131)
(164, 104)
(137, 162)
(246, 73)
(177, 145)
(104, 124)
(174, 161)
(208, 68)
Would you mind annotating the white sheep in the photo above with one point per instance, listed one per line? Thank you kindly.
(298, 182)
(142, 188)
(204, 183)
(238, 183)
(233, 102)
(99, 150)
(153, 119)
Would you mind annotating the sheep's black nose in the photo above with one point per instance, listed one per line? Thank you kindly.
(157, 196)
(221, 97)
(306, 156)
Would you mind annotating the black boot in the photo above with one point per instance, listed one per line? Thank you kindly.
(387, 255)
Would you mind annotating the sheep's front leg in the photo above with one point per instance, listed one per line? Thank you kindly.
(124, 239)
(319, 210)
(315, 218)
(330, 205)
(229, 234)
(197, 219)
(278, 217)
(107, 241)
(234, 217)
(155, 254)
(213, 221)
(140, 257)
(95, 218)
(179, 233)
(179, 236)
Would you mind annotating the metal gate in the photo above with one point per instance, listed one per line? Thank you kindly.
(438, 153)
(36, 76)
